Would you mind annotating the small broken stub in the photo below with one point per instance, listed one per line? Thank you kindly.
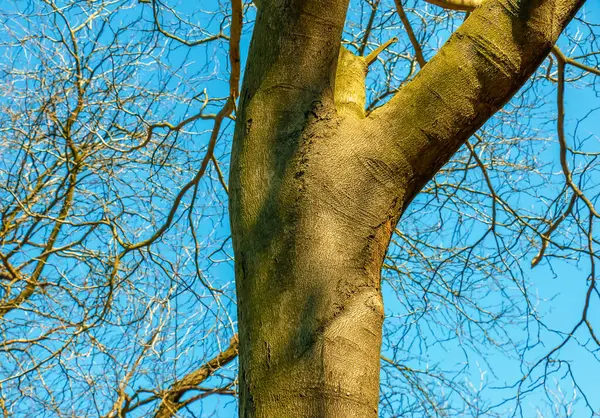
(350, 91)
(350, 95)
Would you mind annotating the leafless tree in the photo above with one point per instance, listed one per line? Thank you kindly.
(117, 293)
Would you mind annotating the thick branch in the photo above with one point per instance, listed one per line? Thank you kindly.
(294, 49)
(477, 71)
(462, 5)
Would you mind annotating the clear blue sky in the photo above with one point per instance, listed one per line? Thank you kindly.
(559, 287)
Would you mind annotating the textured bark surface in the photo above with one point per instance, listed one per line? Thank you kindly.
(316, 188)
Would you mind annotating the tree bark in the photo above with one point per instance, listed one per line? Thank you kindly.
(316, 187)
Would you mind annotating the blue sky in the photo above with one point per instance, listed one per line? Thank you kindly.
(558, 286)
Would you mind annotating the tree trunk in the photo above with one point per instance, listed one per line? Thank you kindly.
(316, 188)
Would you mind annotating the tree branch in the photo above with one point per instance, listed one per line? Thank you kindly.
(472, 76)
(295, 49)
(462, 5)
(171, 400)
(411, 34)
